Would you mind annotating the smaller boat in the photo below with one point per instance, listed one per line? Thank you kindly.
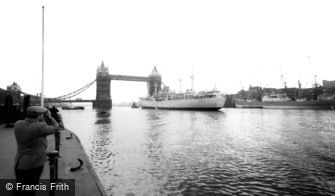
(134, 105)
(248, 103)
(317, 97)
(73, 108)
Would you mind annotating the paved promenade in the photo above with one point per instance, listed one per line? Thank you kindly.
(87, 182)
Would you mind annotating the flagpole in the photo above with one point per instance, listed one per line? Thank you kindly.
(42, 87)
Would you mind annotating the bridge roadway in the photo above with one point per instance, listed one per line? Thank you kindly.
(67, 101)
(36, 102)
(128, 78)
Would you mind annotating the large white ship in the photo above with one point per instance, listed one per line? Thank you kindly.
(210, 100)
(164, 98)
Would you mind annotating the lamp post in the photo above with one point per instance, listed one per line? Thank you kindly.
(42, 87)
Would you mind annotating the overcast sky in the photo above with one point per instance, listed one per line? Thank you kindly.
(228, 44)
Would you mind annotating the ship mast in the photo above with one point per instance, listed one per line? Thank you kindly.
(299, 92)
(192, 78)
(315, 83)
(180, 84)
(282, 78)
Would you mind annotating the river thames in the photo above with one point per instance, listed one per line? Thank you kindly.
(229, 152)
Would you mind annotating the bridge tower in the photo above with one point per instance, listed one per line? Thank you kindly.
(103, 96)
(154, 82)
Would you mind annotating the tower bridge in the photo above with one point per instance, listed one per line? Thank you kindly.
(103, 92)
(103, 80)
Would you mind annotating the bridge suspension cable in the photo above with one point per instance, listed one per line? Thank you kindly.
(68, 95)
(76, 92)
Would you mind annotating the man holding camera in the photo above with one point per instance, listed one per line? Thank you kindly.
(30, 135)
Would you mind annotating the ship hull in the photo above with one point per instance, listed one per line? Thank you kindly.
(184, 104)
(248, 104)
(325, 104)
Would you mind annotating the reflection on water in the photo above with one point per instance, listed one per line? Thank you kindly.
(102, 117)
(232, 152)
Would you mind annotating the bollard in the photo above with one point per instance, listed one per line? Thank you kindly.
(57, 143)
(53, 163)
(53, 157)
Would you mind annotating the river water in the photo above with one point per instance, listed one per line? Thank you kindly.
(230, 152)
